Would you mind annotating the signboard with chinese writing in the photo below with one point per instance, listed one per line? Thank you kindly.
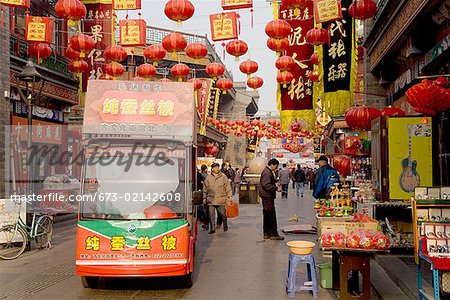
(16, 3)
(223, 26)
(295, 101)
(42, 132)
(39, 29)
(202, 103)
(126, 4)
(140, 108)
(132, 32)
(338, 66)
(236, 4)
(327, 10)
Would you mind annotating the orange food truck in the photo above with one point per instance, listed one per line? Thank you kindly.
(135, 215)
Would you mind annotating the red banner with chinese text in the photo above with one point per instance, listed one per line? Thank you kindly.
(16, 3)
(202, 102)
(39, 29)
(42, 132)
(223, 26)
(295, 101)
(132, 32)
(236, 4)
(126, 4)
(327, 10)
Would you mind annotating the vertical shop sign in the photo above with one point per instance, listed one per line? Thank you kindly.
(202, 103)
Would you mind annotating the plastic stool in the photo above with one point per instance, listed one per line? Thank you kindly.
(311, 284)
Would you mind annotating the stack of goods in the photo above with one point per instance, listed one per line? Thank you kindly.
(361, 169)
(60, 181)
(337, 206)
(362, 239)
(365, 193)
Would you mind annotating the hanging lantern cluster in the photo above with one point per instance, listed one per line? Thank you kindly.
(82, 43)
(361, 117)
(146, 71)
(179, 10)
(180, 71)
(155, 53)
(224, 84)
(174, 43)
(255, 82)
(115, 53)
(70, 10)
(196, 50)
(237, 48)
(362, 9)
(285, 63)
(215, 70)
(39, 51)
(278, 45)
(285, 78)
(317, 36)
(429, 97)
(278, 31)
(248, 67)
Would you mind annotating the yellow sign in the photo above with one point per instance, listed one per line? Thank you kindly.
(410, 156)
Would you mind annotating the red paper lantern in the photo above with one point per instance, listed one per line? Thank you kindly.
(315, 58)
(39, 51)
(237, 48)
(278, 45)
(278, 29)
(362, 9)
(342, 164)
(71, 10)
(248, 67)
(78, 66)
(196, 50)
(285, 78)
(279, 155)
(317, 36)
(197, 83)
(155, 52)
(393, 112)
(361, 117)
(360, 50)
(180, 70)
(255, 82)
(224, 85)
(173, 43)
(115, 53)
(285, 63)
(146, 71)
(114, 69)
(82, 43)
(72, 54)
(179, 10)
(296, 3)
(314, 75)
(429, 97)
(215, 70)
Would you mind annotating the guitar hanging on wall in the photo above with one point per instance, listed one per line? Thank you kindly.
(410, 178)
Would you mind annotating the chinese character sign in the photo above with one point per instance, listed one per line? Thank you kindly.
(132, 32)
(236, 4)
(16, 3)
(202, 102)
(295, 101)
(39, 29)
(126, 4)
(223, 26)
(327, 10)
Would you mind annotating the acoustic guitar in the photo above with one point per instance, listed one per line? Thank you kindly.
(409, 179)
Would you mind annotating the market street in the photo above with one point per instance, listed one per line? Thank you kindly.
(237, 264)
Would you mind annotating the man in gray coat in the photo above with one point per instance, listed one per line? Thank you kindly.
(284, 177)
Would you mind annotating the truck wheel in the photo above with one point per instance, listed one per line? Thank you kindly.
(90, 282)
(187, 280)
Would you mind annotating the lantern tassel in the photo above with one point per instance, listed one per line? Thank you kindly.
(13, 21)
(179, 23)
(180, 79)
(2, 21)
(174, 55)
(251, 17)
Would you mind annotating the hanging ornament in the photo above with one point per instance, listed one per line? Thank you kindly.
(114, 69)
(285, 63)
(173, 43)
(179, 10)
(72, 54)
(429, 97)
(224, 85)
(248, 67)
(255, 82)
(237, 48)
(278, 45)
(39, 51)
(155, 53)
(285, 78)
(197, 83)
(115, 53)
(361, 117)
(296, 3)
(180, 70)
(215, 70)
(146, 71)
(314, 75)
(70, 10)
(317, 36)
(278, 29)
(196, 50)
(314, 58)
(78, 67)
(82, 43)
(362, 9)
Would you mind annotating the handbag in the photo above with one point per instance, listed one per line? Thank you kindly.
(197, 198)
(232, 210)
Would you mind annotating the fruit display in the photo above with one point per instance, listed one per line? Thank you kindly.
(359, 239)
(338, 206)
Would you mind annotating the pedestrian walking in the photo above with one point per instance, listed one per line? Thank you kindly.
(217, 193)
(284, 177)
(326, 177)
(312, 178)
(237, 180)
(267, 191)
(299, 179)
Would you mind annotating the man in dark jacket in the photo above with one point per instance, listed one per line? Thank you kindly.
(325, 178)
(299, 179)
(267, 191)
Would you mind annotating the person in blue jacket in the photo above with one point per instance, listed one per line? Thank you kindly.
(326, 177)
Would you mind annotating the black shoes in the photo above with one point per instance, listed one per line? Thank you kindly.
(266, 236)
(277, 238)
(212, 232)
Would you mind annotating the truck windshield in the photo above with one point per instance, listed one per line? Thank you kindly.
(139, 181)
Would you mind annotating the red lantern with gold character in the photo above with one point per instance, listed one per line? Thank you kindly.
(82, 43)
(278, 29)
(78, 67)
(146, 71)
(215, 70)
(115, 53)
(255, 82)
(285, 78)
(196, 50)
(224, 85)
(362, 9)
(285, 63)
(180, 70)
(278, 45)
(173, 43)
(114, 69)
(248, 67)
(40, 51)
(237, 48)
(71, 10)
(317, 36)
(179, 10)
(155, 53)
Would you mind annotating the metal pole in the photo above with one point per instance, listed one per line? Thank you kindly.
(30, 142)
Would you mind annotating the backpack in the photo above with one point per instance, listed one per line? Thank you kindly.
(326, 182)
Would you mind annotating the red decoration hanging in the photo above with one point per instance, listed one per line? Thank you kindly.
(72, 54)
(314, 75)
(285, 78)
(429, 97)
(179, 10)
(362, 9)
(215, 70)
(115, 53)
(180, 70)
(146, 71)
(132, 33)
(295, 3)
(224, 84)
(278, 29)
(82, 43)
(114, 69)
(255, 82)
(39, 29)
(285, 63)
(173, 43)
(78, 67)
(248, 67)
(70, 10)
(278, 45)
(342, 164)
(197, 83)
(196, 50)
(16, 3)
(317, 36)
(39, 51)
(155, 53)
(315, 58)
(392, 112)
(237, 48)
(361, 117)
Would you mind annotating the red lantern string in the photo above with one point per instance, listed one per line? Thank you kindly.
(223, 53)
(2, 21)
(238, 17)
(251, 17)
